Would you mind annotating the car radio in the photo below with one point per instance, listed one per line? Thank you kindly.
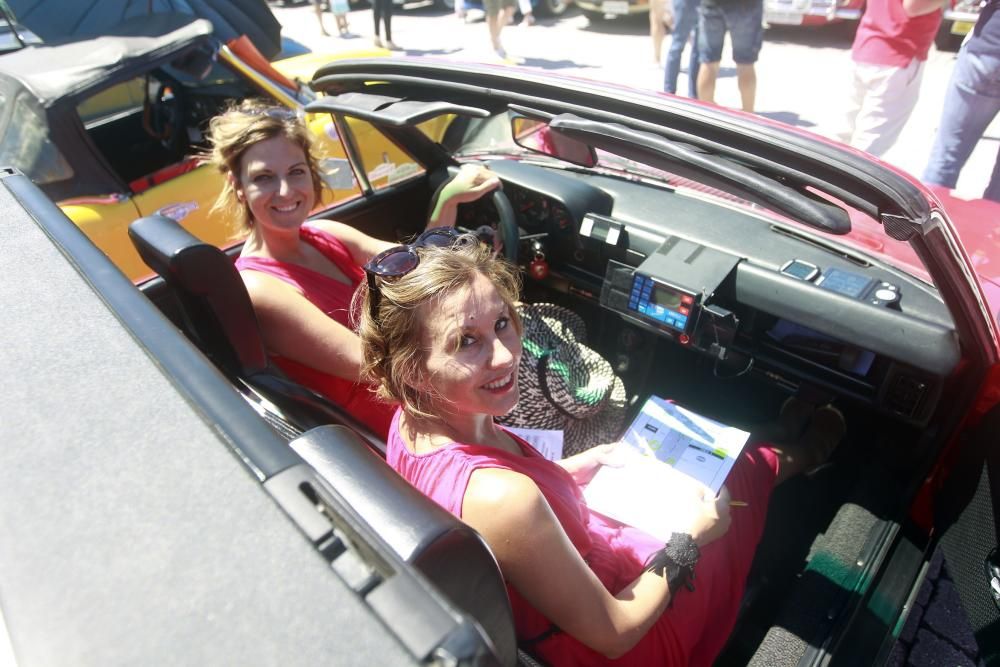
(660, 302)
(667, 292)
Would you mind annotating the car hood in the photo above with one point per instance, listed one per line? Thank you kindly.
(302, 67)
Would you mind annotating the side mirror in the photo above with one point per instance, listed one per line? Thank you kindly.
(536, 135)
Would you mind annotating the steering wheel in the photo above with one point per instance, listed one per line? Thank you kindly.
(507, 226)
(166, 117)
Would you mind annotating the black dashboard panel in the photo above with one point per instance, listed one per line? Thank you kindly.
(893, 356)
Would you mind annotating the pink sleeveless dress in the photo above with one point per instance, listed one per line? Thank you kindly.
(693, 630)
(333, 298)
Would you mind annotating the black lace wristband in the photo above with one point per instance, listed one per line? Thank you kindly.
(675, 561)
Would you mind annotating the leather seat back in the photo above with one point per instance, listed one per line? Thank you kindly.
(448, 552)
(219, 318)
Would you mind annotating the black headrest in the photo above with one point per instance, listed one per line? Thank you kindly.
(448, 552)
(214, 300)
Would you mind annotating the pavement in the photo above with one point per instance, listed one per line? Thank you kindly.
(937, 632)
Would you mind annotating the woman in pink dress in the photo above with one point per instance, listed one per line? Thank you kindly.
(301, 276)
(441, 338)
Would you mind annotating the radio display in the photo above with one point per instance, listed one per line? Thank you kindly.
(660, 303)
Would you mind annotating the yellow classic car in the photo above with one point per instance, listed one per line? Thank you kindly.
(110, 127)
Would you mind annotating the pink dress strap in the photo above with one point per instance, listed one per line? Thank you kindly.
(331, 296)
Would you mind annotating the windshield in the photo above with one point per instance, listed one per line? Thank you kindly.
(492, 138)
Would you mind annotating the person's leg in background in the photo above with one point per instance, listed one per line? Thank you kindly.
(377, 9)
(693, 62)
(971, 102)
(527, 16)
(892, 95)
(387, 10)
(659, 17)
(746, 30)
(711, 33)
(857, 89)
(992, 191)
(494, 23)
(318, 6)
(685, 21)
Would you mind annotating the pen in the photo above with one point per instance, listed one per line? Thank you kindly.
(739, 503)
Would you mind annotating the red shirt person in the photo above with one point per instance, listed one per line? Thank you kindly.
(889, 52)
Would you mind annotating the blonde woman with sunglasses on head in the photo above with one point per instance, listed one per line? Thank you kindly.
(301, 276)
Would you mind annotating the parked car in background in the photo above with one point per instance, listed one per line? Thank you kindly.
(598, 10)
(959, 18)
(811, 12)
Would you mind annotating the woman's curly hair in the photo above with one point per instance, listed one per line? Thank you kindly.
(392, 344)
(238, 128)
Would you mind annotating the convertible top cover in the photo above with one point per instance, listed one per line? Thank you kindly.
(53, 71)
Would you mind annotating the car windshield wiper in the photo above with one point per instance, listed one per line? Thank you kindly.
(708, 168)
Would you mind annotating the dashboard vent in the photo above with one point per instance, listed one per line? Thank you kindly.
(905, 395)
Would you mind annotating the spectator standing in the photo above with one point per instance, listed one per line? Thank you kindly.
(744, 20)
(971, 102)
(498, 14)
(889, 52)
(685, 23)
(382, 14)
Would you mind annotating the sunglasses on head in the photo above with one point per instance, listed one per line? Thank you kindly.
(399, 260)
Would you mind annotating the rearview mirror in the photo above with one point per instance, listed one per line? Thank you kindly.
(536, 135)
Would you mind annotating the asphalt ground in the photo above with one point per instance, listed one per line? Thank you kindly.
(802, 77)
(802, 72)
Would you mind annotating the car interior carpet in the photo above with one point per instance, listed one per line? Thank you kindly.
(831, 577)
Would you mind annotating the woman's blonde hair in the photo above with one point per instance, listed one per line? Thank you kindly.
(238, 128)
(394, 355)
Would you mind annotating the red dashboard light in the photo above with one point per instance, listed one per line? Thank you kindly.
(687, 299)
(683, 339)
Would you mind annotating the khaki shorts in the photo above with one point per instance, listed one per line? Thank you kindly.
(493, 7)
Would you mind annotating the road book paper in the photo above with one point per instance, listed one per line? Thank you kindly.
(670, 452)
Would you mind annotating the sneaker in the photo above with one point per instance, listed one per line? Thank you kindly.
(379, 44)
(528, 20)
(392, 46)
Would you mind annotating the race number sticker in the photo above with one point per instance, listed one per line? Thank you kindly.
(178, 211)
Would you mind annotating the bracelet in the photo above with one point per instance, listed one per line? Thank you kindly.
(675, 561)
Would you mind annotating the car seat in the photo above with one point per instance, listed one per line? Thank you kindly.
(448, 552)
(218, 316)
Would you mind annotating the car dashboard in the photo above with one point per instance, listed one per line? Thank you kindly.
(736, 285)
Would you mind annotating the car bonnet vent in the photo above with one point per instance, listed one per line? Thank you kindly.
(905, 395)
